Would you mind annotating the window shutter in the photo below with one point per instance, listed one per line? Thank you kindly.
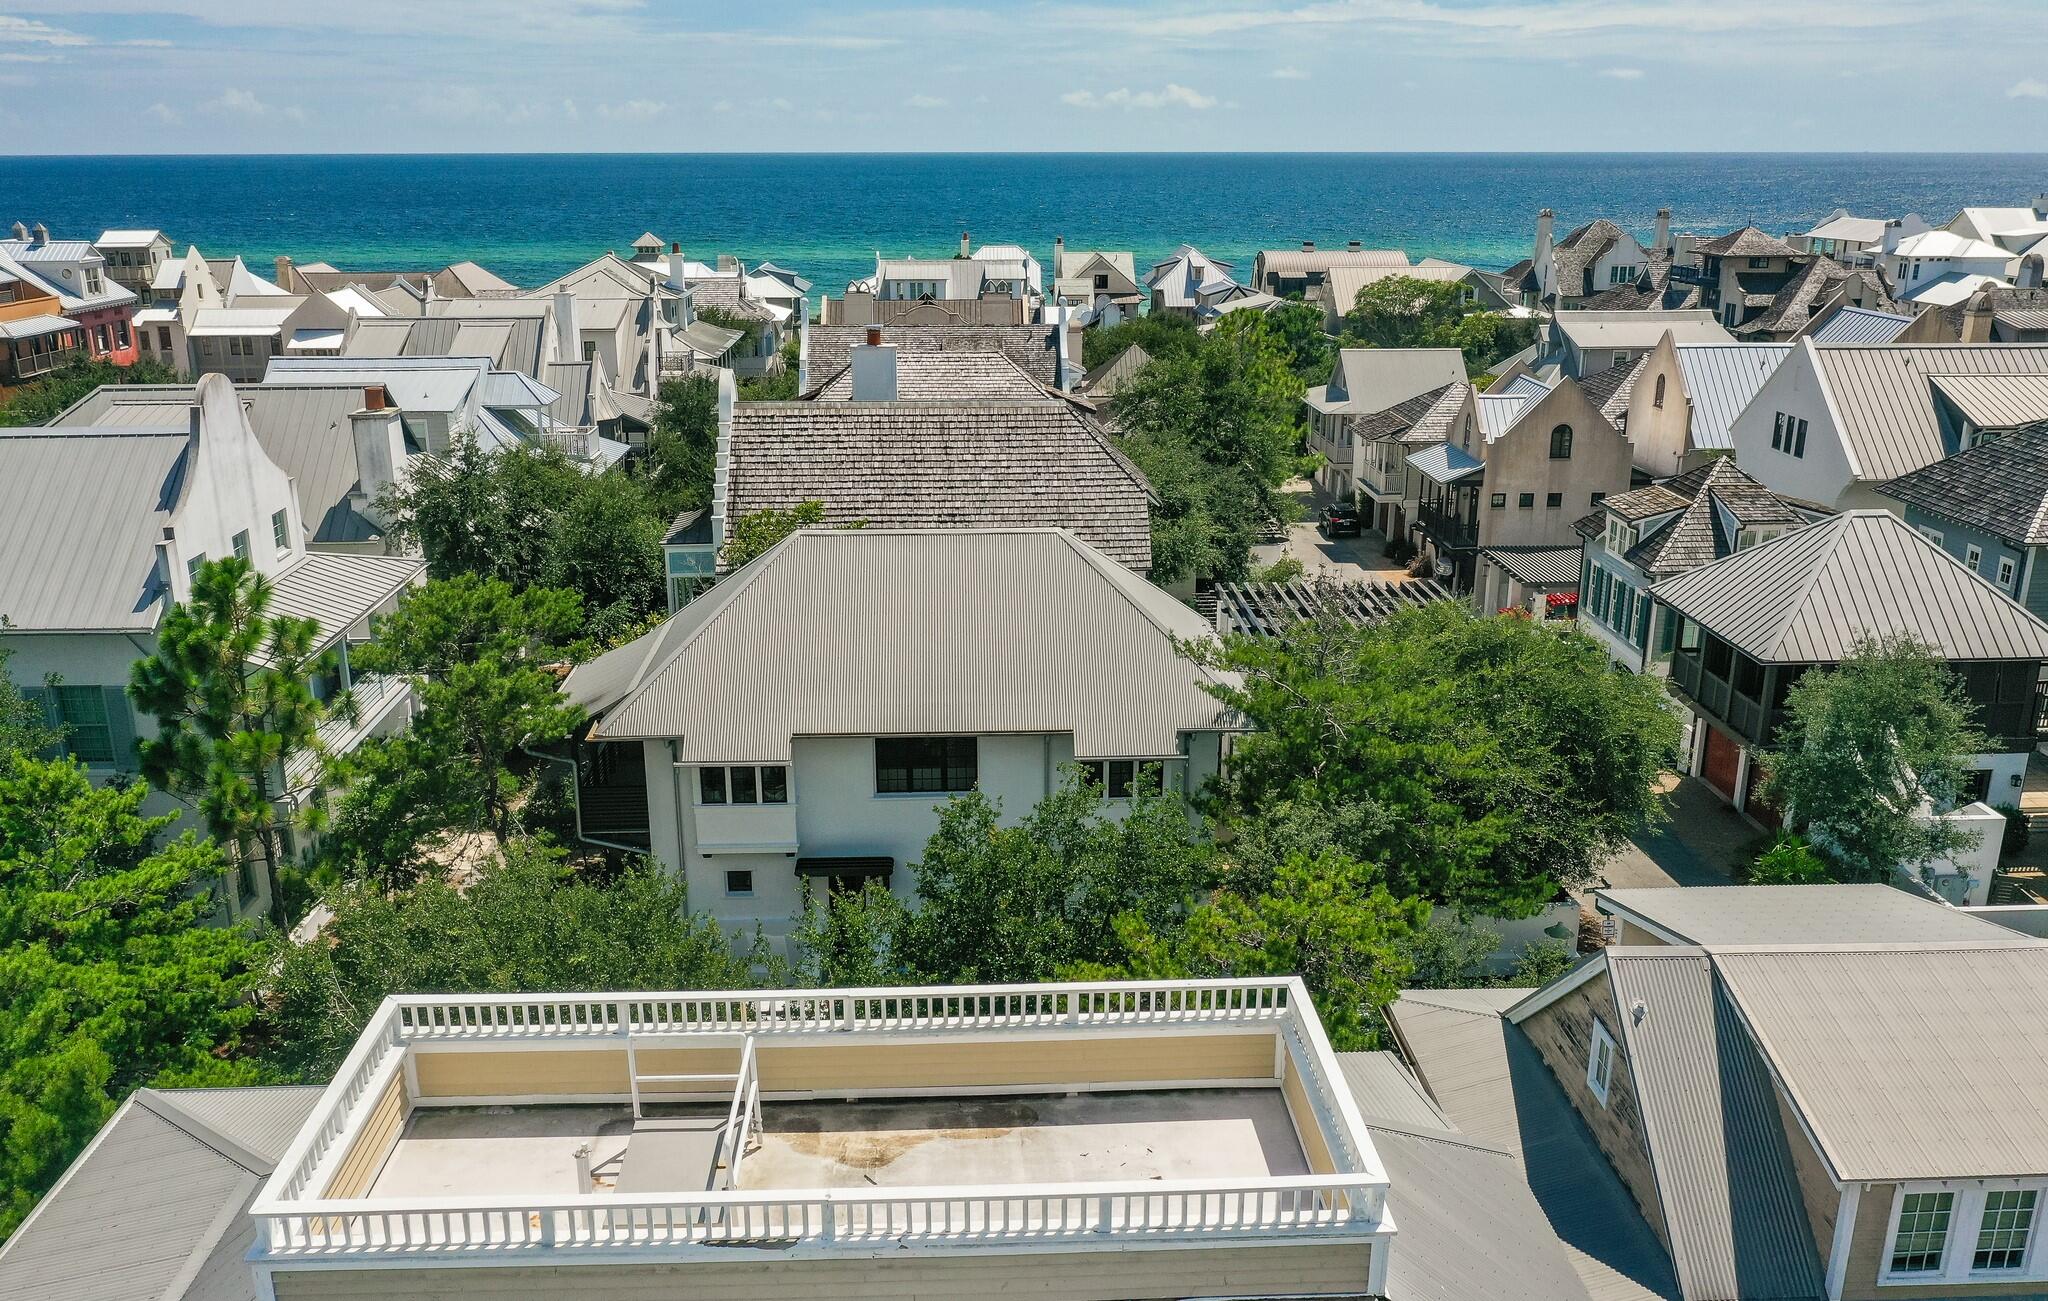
(1642, 622)
(46, 700)
(121, 729)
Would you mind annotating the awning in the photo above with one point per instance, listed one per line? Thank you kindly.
(317, 338)
(1445, 463)
(853, 866)
(34, 327)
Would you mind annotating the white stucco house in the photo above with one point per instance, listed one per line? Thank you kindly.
(102, 530)
(806, 718)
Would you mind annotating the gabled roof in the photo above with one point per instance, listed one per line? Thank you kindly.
(1719, 916)
(1811, 287)
(1588, 329)
(155, 1207)
(1948, 244)
(943, 464)
(1579, 250)
(1711, 497)
(1882, 1047)
(1884, 402)
(1732, 1210)
(1856, 230)
(1807, 597)
(1609, 389)
(1999, 486)
(1032, 347)
(1111, 375)
(1996, 401)
(1297, 261)
(1746, 242)
(81, 514)
(1374, 379)
(880, 632)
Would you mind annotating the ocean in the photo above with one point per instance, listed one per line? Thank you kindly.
(532, 217)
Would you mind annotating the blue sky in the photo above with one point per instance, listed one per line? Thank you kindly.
(289, 76)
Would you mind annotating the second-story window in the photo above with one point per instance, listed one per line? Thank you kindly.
(743, 783)
(242, 545)
(2003, 1233)
(1120, 779)
(1600, 1062)
(1922, 1232)
(1561, 443)
(280, 530)
(921, 765)
(1658, 399)
(1788, 434)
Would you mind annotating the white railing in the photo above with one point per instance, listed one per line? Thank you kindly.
(1325, 1204)
(967, 1007)
(742, 1117)
(364, 1069)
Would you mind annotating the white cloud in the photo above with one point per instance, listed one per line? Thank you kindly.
(1623, 74)
(633, 110)
(1289, 74)
(30, 31)
(924, 101)
(722, 106)
(1173, 96)
(781, 105)
(569, 112)
(246, 103)
(9, 56)
(163, 113)
(2031, 88)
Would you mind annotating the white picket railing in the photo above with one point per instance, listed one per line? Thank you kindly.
(1025, 1212)
(968, 1007)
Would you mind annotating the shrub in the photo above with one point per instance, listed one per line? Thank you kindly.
(1788, 861)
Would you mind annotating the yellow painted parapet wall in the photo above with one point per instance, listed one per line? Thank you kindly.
(381, 1127)
(993, 1062)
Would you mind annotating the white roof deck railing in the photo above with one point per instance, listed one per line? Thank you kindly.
(295, 1222)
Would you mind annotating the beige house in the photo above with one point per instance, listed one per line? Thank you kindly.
(1101, 286)
(1057, 1141)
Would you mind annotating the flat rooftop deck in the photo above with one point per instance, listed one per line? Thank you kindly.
(914, 1142)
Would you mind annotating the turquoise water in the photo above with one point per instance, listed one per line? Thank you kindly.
(531, 217)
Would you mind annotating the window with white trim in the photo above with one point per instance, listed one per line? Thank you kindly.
(2005, 571)
(1973, 555)
(2004, 1230)
(1921, 1233)
(1600, 1062)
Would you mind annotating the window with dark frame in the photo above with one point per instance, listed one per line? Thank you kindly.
(1500, 500)
(743, 783)
(925, 765)
(711, 785)
(280, 530)
(88, 733)
(1120, 779)
(1561, 443)
(1553, 500)
(1526, 501)
(739, 881)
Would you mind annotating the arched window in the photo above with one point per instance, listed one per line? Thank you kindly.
(1561, 443)
(1658, 400)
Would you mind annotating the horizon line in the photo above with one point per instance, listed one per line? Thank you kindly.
(1041, 153)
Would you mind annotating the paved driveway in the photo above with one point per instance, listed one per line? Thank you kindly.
(1700, 842)
(1346, 559)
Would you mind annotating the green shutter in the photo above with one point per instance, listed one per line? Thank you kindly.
(1642, 621)
(121, 729)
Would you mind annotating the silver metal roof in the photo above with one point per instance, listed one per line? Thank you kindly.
(1733, 1213)
(1445, 463)
(152, 1210)
(31, 327)
(1491, 1081)
(1807, 597)
(1469, 1228)
(1860, 325)
(80, 516)
(304, 427)
(1720, 379)
(881, 632)
(1905, 1063)
(1387, 1091)
(1539, 566)
(1718, 915)
(1373, 379)
(338, 591)
(1997, 401)
(1885, 405)
(1639, 329)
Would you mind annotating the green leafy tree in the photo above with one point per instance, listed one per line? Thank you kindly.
(848, 939)
(1329, 919)
(605, 545)
(1539, 963)
(479, 652)
(47, 398)
(109, 978)
(1213, 428)
(1019, 902)
(1788, 860)
(750, 535)
(1482, 761)
(1404, 312)
(23, 730)
(231, 689)
(682, 449)
(1865, 748)
(524, 924)
(1159, 335)
(1309, 347)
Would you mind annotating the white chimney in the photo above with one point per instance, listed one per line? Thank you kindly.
(874, 369)
(1891, 235)
(721, 473)
(1065, 372)
(675, 266)
(379, 434)
(568, 339)
(21, 232)
(965, 248)
(41, 233)
(803, 346)
(2030, 272)
(1541, 260)
(1660, 239)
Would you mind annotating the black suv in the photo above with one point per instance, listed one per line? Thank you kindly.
(1341, 519)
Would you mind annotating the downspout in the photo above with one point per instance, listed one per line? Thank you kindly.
(576, 798)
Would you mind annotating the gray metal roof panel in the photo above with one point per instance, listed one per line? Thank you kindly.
(339, 591)
(1539, 566)
(1807, 597)
(80, 516)
(1860, 325)
(1996, 401)
(879, 632)
(1732, 1208)
(1882, 1049)
(1470, 1229)
(1443, 462)
(1884, 401)
(1720, 379)
(943, 465)
(1796, 914)
(1374, 379)
(148, 1210)
(1387, 1091)
(1491, 1081)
